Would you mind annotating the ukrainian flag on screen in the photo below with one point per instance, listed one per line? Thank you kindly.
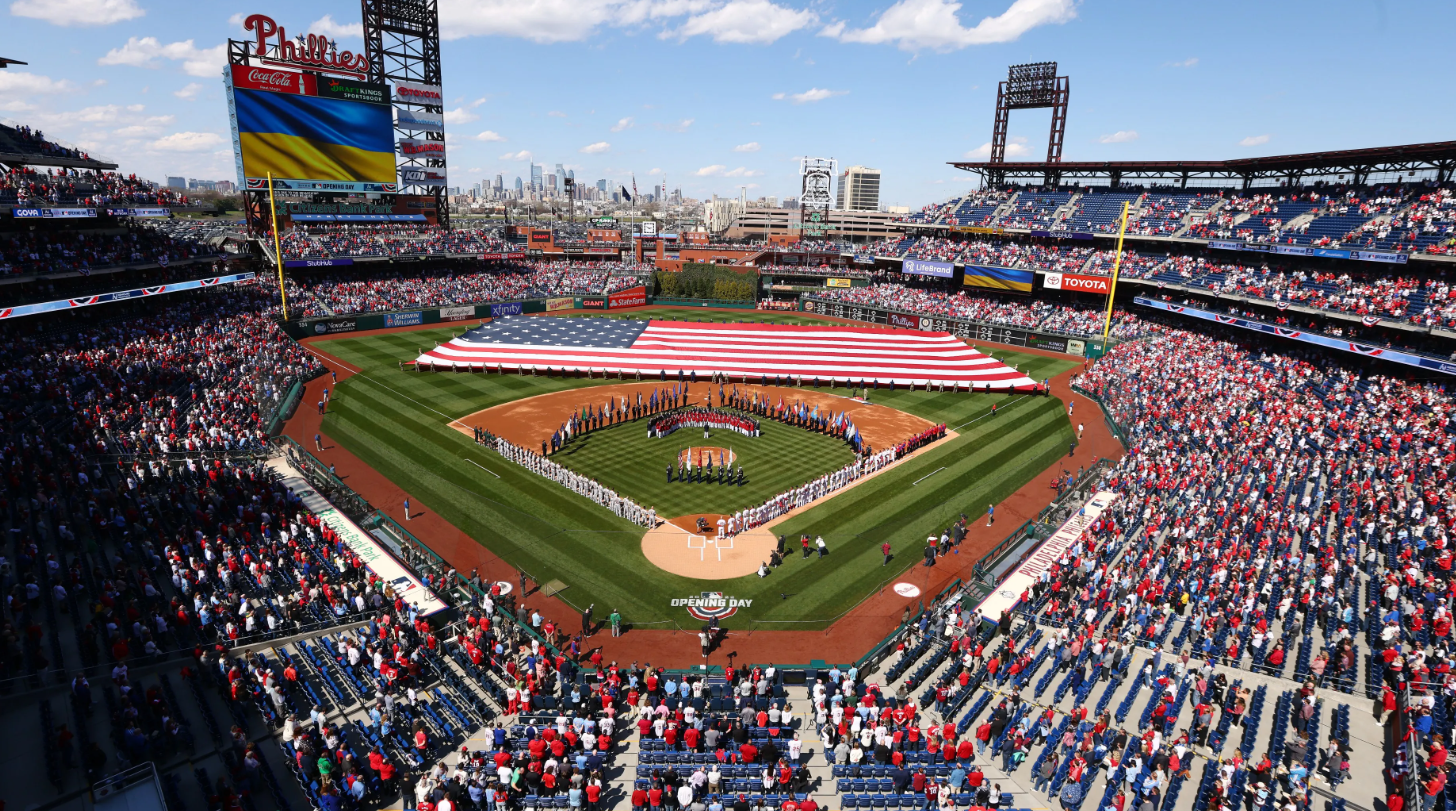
(999, 278)
(308, 138)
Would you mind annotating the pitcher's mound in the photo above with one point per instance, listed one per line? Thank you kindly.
(675, 546)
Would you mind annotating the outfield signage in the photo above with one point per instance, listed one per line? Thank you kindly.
(961, 328)
(1023, 577)
(1062, 234)
(1386, 257)
(594, 303)
(710, 605)
(456, 313)
(378, 560)
(404, 319)
(555, 304)
(53, 213)
(505, 308)
(337, 261)
(521, 255)
(1337, 344)
(633, 297)
(336, 325)
(941, 270)
(837, 283)
(120, 295)
(1076, 282)
(139, 212)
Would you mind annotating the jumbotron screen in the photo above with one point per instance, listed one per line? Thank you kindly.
(311, 132)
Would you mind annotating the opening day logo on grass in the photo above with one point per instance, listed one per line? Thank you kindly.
(712, 604)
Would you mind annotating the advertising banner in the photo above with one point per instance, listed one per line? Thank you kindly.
(1331, 253)
(1225, 244)
(593, 303)
(27, 213)
(273, 81)
(332, 87)
(422, 175)
(505, 308)
(317, 263)
(23, 310)
(409, 119)
(1023, 577)
(631, 297)
(139, 212)
(1062, 234)
(942, 270)
(1293, 250)
(1077, 283)
(999, 278)
(1337, 344)
(427, 94)
(456, 313)
(420, 148)
(336, 325)
(59, 213)
(556, 304)
(403, 319)
(378, 560)
(1378, 256)
(903, 321)
(837, 283)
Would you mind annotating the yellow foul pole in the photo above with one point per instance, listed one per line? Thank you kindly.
(1112, 288)
(278, 246)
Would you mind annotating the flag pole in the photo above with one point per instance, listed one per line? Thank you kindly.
(277, 247)
(1116, 266)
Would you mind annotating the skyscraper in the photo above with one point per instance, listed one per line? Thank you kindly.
(602, 185)
(535, 177)
(859, 189)
(500, 182)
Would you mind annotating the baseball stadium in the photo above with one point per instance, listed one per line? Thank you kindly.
(345, 485)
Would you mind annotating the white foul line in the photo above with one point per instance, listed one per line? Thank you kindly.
(482, 467)
(926, 476)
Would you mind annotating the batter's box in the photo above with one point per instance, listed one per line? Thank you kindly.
(700, 543)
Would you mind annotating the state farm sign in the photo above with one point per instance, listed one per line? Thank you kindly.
(633, 297)
(1076, 283)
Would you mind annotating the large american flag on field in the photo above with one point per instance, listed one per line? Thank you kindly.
(753, 351)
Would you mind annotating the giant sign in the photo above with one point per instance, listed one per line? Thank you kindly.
(313, 52)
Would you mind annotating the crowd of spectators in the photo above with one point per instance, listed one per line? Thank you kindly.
(392, 289)
(25, 139)
(989, 308)
(27, 253)
(388, 239)
(23, 185)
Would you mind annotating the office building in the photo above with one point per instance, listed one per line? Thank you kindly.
(859, 189)
(535, 177)
(179, 183)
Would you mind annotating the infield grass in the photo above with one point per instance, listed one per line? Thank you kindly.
(396, 421)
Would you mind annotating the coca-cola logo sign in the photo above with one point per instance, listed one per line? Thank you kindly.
(276, 81)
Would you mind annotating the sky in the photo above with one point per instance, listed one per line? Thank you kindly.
(721, 94)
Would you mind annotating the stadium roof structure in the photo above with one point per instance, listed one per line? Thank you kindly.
(1358, 164)
(6, 62)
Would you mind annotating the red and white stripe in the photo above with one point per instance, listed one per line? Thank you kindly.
(840, 353)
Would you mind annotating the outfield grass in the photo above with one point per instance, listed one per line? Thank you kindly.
(780, 458)
(395, 421)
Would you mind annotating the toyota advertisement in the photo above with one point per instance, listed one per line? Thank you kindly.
(1076, 283)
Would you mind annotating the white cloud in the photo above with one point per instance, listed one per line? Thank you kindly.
(719, 170)
(596, 148)
(1186, 63)
(77, 12)
(654, 171)
(812, 94)
(746, 21)
(1119, 137)
(1254, 140)
(189, 92)
(546, 21)
(751, 146)
(459, 115)
(832, 30)
(679, 126)
(489, 135)
(18, 83)
(934, 24)
(144, 53)
(622, 124)
(556, 114)
(188, 142)
(1014, 148)
(523, 155)
(326, 26)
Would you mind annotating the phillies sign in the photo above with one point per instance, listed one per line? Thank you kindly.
(1076, 282)
(312, 51)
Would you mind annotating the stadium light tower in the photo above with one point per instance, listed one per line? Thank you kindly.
(402, 41)
(1032, 86)
(816, 176)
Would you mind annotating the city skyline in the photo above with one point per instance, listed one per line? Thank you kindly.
(617, 88)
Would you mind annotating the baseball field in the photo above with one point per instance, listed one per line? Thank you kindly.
(399, 422)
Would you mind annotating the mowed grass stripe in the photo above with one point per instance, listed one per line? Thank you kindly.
(389, 421)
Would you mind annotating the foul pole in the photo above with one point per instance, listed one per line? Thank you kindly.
(278, 247)
(1112, 288)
